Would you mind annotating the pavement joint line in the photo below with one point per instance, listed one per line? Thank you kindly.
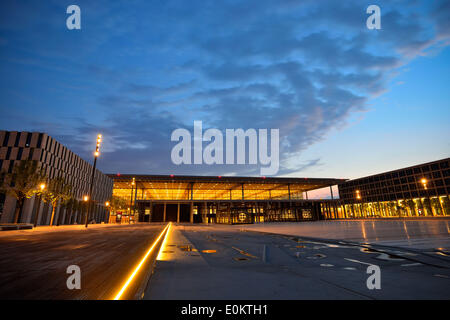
(336, 285)
(245, 253)
(357, 261)
(441, 276)
(411, 264)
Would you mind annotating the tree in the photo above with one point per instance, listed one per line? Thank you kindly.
(70, 207)
(412, 206)
(446, 205)
(437, 206)
(408, 206)
(58, 190)
(427, 206)
(420, 208)
(66, 205)
(392, 208)
(22, 183)
(117, 203)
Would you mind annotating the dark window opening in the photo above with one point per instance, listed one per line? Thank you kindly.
(19, 154)
(16, 143)
(39, 143)
(5, 141)
(11, 166)
(27, 143)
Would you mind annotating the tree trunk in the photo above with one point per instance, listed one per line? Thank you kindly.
(53, 214)
(69, 216)
(19, 206)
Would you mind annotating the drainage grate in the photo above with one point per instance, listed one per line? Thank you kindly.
(241, 259)
(187, 248)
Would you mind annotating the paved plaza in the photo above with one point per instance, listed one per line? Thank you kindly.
(306, 260)
(258, 262)
(34, 262)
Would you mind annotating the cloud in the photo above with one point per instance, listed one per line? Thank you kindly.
(304, 67)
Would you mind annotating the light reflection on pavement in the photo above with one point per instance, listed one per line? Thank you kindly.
(256, 265)
(412, 233)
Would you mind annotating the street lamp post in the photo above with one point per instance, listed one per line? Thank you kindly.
(86, 199)
(424, 182)
(358, 197)
(42, 187)
(96, 154)
(108, 211)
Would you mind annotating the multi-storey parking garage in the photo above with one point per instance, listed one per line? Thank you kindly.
(220, 199)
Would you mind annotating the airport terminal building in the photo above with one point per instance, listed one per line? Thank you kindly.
(221, 199)
(418, 191)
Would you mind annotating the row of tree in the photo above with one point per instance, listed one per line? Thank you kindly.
(25, 181)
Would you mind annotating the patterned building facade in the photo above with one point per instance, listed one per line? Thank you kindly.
(418, 191)
(55, 160)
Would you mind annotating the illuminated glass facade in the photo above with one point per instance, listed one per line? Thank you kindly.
(418, 191)
(218, 199)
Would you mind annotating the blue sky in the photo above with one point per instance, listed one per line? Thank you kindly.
(348, 101)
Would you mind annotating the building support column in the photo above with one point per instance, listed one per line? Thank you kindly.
(178, 213)
(134, 203)
(151, 212)
(164, 214)
(191, 213)
(205, 209)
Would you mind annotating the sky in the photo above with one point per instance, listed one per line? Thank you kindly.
(348, 101)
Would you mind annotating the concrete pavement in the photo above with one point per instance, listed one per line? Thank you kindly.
(224, 262)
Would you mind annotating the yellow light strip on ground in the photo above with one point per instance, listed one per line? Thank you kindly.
(161, 249)
(130, 278)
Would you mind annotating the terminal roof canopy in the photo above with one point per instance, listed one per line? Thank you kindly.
(168, 187)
